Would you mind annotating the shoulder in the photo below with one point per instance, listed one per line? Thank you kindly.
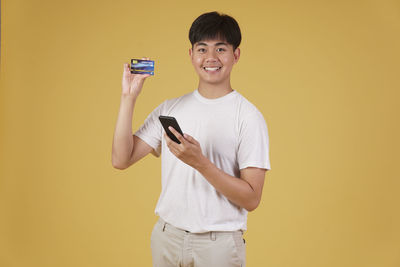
(168, 104)
(245, 107)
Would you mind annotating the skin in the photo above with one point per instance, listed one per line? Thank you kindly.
(247, 190)
(214, 53)
(126, 147)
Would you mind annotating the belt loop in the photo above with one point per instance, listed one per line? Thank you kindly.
(213, 236)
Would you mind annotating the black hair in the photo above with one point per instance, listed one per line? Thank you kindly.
(214, 25)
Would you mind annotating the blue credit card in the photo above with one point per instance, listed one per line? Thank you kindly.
(141, 66)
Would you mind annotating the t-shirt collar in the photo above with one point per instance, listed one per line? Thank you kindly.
(214, 100)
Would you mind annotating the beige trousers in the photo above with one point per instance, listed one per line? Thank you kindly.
(173, 247)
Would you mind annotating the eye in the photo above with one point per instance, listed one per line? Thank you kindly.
(201, 50)
(221, 49)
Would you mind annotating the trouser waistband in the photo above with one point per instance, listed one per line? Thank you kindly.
(211, 234)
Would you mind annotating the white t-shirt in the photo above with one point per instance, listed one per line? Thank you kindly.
(232, 134)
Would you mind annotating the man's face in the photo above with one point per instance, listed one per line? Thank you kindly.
(213, 61)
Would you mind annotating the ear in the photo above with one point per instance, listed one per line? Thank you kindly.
(236, 54)
(190, 52)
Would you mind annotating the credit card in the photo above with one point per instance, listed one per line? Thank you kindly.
(141, 66)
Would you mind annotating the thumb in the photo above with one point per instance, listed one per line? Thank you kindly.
(126, 66)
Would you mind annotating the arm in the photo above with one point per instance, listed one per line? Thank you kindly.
(244, 192)
(126, 147)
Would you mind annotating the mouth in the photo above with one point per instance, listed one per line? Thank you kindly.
(212, 69)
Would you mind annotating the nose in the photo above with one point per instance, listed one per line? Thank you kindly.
(211, 56)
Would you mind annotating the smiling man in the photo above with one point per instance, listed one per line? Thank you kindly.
(215, 176)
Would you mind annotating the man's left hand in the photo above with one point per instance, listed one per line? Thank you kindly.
(189, 150)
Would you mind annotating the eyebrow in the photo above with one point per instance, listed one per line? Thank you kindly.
(217, 44)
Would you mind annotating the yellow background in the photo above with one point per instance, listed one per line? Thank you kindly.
(325, 74)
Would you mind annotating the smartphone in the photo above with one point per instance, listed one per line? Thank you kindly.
(167, 121)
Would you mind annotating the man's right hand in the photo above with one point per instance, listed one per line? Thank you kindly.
(132, 83)
(128, 148)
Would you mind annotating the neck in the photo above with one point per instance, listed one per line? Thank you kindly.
(214, 90)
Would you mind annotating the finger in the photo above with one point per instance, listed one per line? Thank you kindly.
(126, 67)
(190, 139)
(169, 141)
(177, 134)
(174, 151)
(172, 145)
(141, 77)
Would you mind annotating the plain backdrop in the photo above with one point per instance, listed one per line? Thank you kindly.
(325, 75)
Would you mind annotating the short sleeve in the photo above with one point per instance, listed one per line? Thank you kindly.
(253, 149)
(151, 130)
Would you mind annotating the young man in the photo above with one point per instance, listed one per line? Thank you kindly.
(216, 174)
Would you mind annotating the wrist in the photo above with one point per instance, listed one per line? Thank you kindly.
(128, 98)
(203, 164)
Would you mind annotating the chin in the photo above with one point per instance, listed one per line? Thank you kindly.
(212, 81)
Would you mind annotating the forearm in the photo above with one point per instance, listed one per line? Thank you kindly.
(235, 189)
(122, 146)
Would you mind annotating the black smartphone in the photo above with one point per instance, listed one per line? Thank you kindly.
(167, 121)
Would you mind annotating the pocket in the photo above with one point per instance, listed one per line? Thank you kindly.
(240, 246)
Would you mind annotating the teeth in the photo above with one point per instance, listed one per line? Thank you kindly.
(212, 69)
